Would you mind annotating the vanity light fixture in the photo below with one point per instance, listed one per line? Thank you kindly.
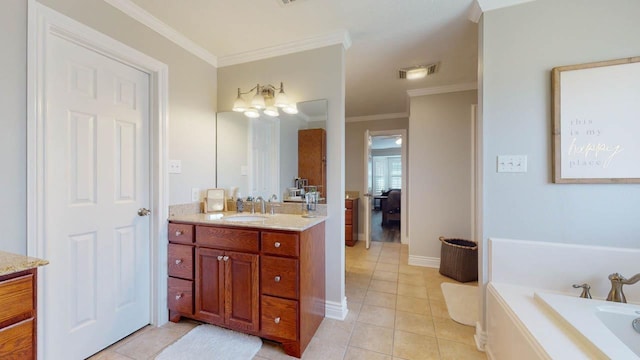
(265, 99)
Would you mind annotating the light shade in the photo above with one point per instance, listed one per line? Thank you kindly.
(252, 113)
(258, 101)
(281, 99)
(239, 104)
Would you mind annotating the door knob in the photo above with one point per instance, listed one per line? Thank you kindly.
(144, 212)
(277, 278)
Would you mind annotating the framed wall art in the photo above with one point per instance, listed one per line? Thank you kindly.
(596, 122)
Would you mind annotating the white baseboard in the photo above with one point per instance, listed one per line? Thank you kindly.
(424, 261)
(360, 236)
(480, 337)
(336, 310)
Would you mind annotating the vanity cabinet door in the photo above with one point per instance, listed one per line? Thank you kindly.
(210, 285)
(241, 291)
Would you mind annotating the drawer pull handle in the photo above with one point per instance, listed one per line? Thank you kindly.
(277, 244)
(277, 320)
(178, 296)
(178, 233)
(225, 258)
(178, 261)
(219, 257)
(277, 278)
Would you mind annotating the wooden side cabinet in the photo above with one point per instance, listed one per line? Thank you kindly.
(312, 158)
(351, 221)
(18, 315)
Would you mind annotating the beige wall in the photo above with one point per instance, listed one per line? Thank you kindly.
(13, 118)
(192, 104)
(516, 116)
(354, 154)
(308, 75)
(192, 92)
(440, 170)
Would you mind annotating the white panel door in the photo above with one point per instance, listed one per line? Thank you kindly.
(96, 146)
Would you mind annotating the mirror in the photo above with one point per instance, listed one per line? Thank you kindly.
(259, 157)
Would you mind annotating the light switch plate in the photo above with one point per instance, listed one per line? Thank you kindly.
(512, 163)
(175, 167)
(195, 194)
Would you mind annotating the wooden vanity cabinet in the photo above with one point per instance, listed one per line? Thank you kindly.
(18, 315)
(268, 283)
(351, 221)
(227, 289)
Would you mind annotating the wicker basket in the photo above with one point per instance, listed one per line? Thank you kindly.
(459, 259)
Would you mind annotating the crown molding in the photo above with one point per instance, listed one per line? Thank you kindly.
(391, 116)
(339, 37)
(155, 24)
(443, 89)
(478, 7)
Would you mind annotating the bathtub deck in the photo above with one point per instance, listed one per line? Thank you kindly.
(548, 335)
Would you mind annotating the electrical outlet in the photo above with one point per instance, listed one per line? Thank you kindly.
(512, 163)
(195, 194)
(175, 167)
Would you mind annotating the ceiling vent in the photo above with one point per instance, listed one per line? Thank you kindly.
(418, 72)
(284, 3)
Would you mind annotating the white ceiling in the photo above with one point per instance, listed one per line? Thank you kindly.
(386, 35)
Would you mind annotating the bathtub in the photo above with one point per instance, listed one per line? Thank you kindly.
(605, 325)
(527, 323)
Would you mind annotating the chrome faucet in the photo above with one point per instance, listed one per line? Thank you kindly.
(617, 281)
(263, 209)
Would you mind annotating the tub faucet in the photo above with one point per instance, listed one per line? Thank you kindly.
(263, 209)
(617, 281)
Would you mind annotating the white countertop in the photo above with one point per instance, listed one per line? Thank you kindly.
(289, 222)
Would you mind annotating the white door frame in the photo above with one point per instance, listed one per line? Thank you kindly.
(404, 225)
(43, 23)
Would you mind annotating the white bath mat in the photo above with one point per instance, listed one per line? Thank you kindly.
(208, 342)
(462, 302)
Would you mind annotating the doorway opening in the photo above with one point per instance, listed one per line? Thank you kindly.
(386, 181)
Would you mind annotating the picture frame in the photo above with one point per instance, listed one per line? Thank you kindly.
(596, 122)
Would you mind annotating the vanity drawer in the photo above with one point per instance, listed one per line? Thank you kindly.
(348, 204)
(279, 317)
(348, 217)
(181, 233)
(16, 297)
(180, 295)
(226, 238)
(285, 244)
(18, 341)
(279, 276)
(181, 261)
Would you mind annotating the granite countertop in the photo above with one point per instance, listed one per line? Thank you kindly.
(12, 263)
(289, 222)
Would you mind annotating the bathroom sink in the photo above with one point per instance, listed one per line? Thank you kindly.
(244, 218)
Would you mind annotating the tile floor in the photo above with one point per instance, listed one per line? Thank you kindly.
(396, 311)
